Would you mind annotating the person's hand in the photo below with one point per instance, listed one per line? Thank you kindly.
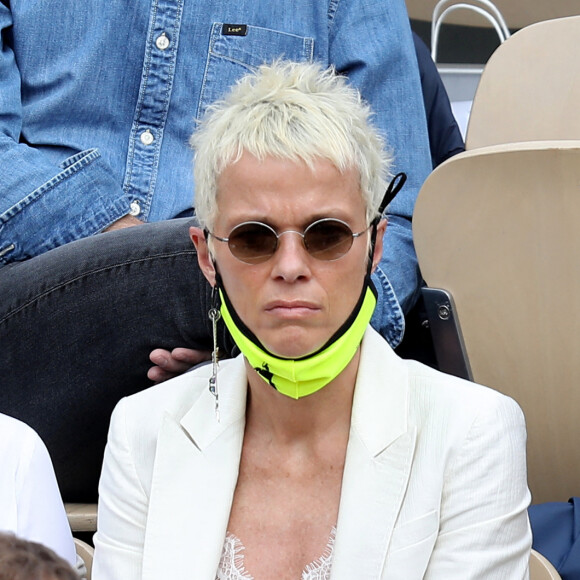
(174, 363)
(126, 221)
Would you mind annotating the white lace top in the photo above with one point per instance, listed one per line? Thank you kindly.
(232, 567)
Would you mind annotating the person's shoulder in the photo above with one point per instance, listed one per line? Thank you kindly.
(448, 385)
(431, 391)
(16, 433)
(175, 396)
(461, 401)
(20, 447)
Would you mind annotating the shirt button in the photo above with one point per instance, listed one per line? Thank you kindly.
(162, 42)
(147, 137)
(135, 208)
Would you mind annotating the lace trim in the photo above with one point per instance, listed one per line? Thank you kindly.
(320, 569)
(231, 566)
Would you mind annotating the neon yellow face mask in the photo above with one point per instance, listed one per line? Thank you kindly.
(298, 378)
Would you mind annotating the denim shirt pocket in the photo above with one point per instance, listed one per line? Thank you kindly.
(235, 50)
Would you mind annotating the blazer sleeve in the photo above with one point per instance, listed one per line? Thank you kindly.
(484, 530)
(42, 514)
(123, 502)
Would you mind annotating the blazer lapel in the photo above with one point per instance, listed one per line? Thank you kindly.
(194, 478)
(378, 464)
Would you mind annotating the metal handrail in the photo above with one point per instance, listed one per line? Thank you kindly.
(486, 9)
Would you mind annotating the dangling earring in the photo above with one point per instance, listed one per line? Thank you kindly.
(214, 315)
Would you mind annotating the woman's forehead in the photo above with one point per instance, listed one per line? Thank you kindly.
(287, 182)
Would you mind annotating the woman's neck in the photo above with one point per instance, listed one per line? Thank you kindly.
(289, 420)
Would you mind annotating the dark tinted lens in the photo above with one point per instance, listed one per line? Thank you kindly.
(328, 239)
(252, 242)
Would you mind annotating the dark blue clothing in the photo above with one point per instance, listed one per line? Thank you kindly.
(556, 532)
(445, 138)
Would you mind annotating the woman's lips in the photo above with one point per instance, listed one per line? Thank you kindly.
(292, 308)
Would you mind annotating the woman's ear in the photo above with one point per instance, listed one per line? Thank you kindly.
(378, 253)
(203, 254)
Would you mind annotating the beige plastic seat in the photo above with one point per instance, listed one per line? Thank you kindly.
(542, 569)
(499, 229)
(82, 517)
(86, 553)
(530, 87)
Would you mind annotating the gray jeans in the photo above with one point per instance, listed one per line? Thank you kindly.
(77, 325)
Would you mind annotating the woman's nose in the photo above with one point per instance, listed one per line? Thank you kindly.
(291, 259)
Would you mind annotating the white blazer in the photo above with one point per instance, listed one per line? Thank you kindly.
(30, 503)
(434, 483)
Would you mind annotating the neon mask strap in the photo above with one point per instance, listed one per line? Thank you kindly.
(394, 187)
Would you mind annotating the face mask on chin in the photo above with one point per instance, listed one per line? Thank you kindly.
(303, 376)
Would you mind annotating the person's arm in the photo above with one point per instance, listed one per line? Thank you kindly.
(371, 42)
(41, 514)
(122, 512)
(484, 530)
(445, 138)
(43, 204)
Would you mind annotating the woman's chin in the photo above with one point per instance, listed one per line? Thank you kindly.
(294, 347)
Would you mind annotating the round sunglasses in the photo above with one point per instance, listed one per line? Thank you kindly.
(255, 242)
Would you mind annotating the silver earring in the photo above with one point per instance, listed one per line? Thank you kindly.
(214, 315)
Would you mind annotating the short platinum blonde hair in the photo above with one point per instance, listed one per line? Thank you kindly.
(289, 110)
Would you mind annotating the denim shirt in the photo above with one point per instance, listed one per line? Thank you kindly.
(99, 98)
